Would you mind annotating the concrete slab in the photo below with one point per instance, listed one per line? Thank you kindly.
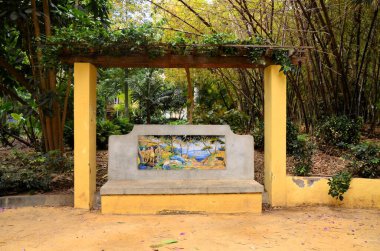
(118, 187)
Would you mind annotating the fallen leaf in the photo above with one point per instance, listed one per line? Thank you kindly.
(163, 243)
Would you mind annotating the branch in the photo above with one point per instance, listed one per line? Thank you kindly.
(2, 129)
(174, 15)
(15, 96)
(197, 15)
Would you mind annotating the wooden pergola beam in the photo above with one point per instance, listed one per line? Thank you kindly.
(166, 61)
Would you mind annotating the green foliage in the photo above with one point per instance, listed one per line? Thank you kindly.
(92, 38)
(31, 171)
(282, 58)
(365, 160)
(178, 43)
(123, 124)
(148, 91)
(292, 142)
(256, 54)
(303, 153)
(104, 129)
(338, 131)
(301, 148)
(178, 122)
(238, 121)
(258, 135)
(339, 184)
(17, 122)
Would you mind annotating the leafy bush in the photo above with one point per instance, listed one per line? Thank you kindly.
(238, 121)
(178, 122)
(339, 184)
(292, 142)
(31, 171)
(124, 125)
(303, 153)
(301, 148)
(104, 129)
(338, 131)
(365, 160)
(21, 179)
(258, 135)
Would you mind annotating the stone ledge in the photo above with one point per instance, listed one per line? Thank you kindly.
(120, 187)
(37, 200)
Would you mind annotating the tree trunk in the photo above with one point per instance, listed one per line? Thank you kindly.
(190, 97)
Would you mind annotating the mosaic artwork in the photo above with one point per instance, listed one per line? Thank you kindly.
(176, 152)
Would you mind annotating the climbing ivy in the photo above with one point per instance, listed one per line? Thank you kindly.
(93, 38)
(282, 58)
(339, 184)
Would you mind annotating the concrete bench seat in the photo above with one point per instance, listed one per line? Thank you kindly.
(118, 187)
(225, 187)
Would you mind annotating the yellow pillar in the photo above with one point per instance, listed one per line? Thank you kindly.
(84, 135)
(275, 135)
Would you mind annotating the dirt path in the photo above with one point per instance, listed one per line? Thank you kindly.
(308, 228)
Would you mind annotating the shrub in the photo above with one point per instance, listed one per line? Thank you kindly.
(15, 179)
(178, 122)
(124, 125)
(292, 142)
(338, 132)
(339, 184)
(258, 135)
(104, 129)
(365, 160)
(303, 153)
(238, 121)
(31, 171)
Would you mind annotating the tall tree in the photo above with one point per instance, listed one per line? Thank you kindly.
(32, 23)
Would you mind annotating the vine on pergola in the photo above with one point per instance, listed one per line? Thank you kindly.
(143, 40)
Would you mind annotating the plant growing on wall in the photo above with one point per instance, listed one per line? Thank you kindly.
(339, 184)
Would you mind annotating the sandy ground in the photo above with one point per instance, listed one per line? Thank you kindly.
(306, 228)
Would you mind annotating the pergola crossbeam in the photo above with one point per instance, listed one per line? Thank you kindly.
(166, 61)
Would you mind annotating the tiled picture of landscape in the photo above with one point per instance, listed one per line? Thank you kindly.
(174, 152)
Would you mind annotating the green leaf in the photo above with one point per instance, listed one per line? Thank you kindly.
(169, 241)
(163, 243)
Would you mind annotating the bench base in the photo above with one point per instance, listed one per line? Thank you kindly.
(185, 203)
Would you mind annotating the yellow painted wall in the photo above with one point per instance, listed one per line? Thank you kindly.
(363, 193)
(84, 135)
(275, 135)
(210, 203)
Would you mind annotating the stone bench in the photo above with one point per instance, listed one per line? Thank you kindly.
(181, 168)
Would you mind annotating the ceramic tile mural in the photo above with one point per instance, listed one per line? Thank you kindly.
(175, 152)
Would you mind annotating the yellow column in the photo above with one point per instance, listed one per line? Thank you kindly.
(84, 135)
(275, 135)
